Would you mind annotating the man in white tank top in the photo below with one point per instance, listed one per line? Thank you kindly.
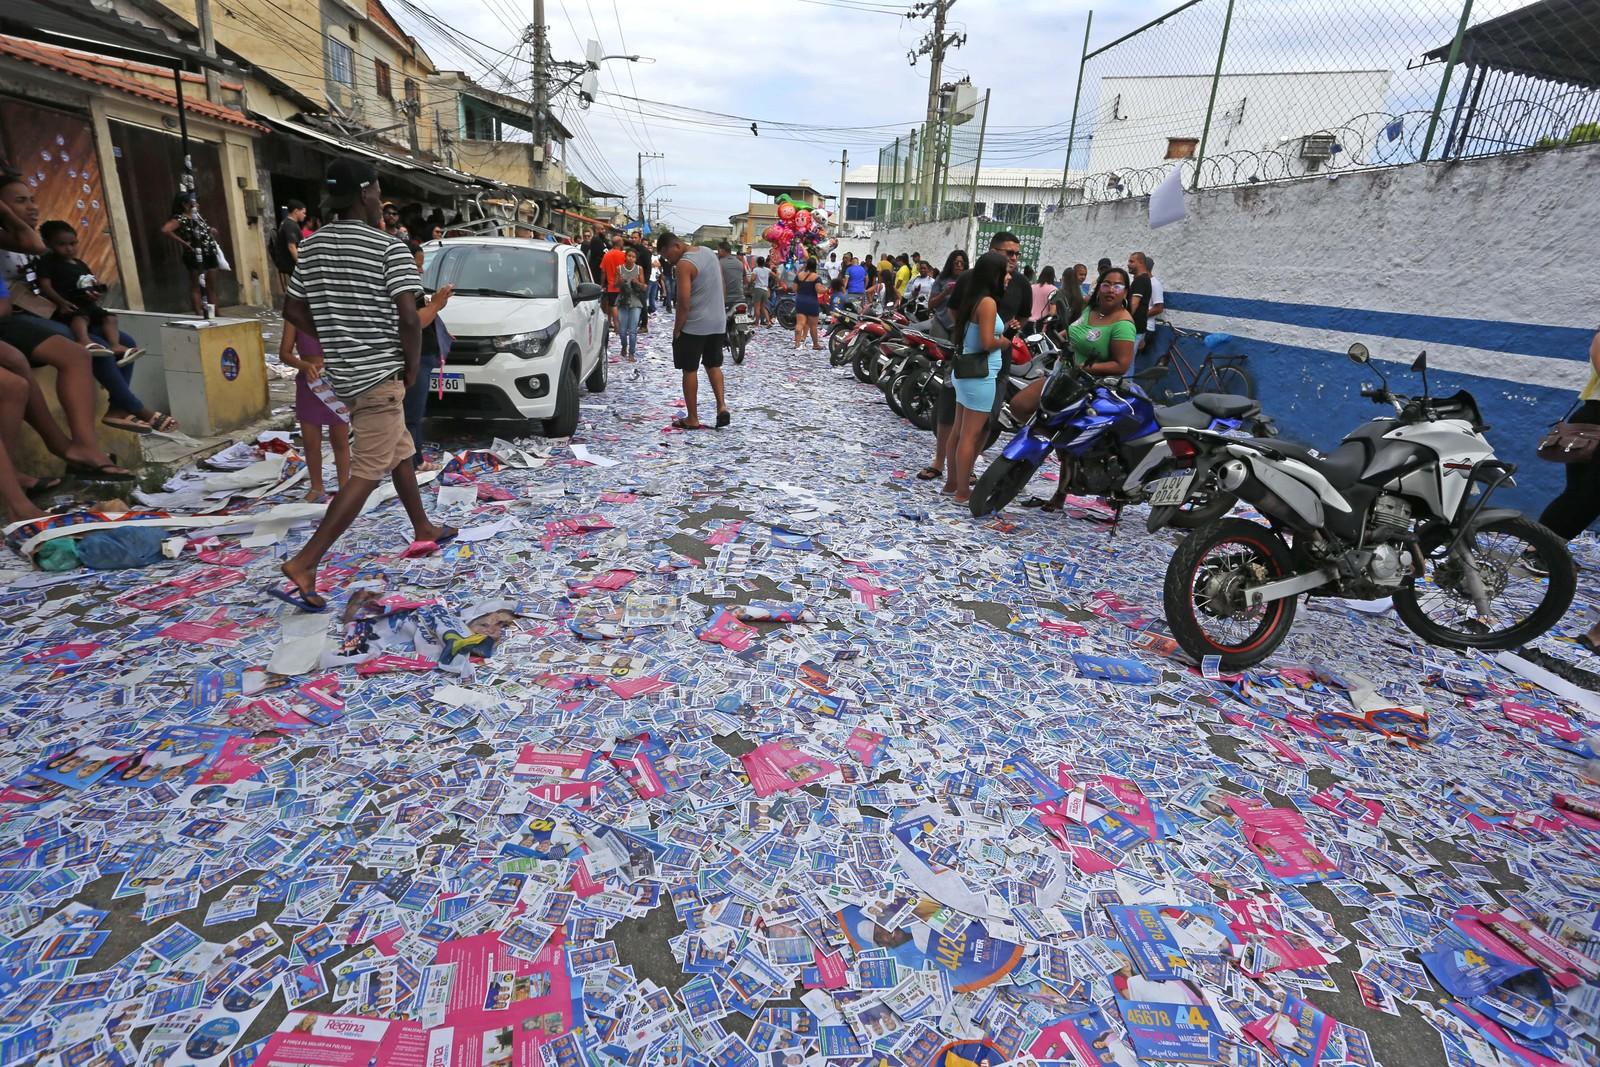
(699, 325)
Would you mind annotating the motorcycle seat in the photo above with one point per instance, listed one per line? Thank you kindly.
(1342, 467)
(1224, 405)
(1184, 415)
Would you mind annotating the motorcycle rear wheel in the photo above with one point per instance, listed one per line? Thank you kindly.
(1500, 546)
(845, 354)
(836, 341)
(891, 391)
(1000, 485)
(918, 400)
(1203, 593)
(864, 363)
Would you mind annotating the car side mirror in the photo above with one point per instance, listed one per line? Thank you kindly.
(586, 292)
(1359, 354)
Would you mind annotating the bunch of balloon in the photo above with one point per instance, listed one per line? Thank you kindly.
(800, 232)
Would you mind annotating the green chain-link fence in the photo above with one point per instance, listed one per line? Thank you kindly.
(1244, 91)
(931, 173)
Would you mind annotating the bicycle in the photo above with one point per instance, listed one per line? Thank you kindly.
(1172, 379)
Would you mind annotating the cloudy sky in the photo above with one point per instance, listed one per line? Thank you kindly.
(839, 70)
(828, 63)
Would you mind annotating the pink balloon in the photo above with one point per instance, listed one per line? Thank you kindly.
(802, 221)
(786, 212)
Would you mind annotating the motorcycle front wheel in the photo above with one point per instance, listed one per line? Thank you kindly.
(1000, 485)
(845, 354)
(1204, 593)
(1438, 605)
(891, 390)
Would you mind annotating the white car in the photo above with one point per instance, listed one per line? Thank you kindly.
(527, 329)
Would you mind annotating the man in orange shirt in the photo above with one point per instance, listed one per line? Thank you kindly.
(608, 266)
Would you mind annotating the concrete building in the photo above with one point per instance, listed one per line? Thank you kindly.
(1306, 117)
(710, 234)
(1005, 194)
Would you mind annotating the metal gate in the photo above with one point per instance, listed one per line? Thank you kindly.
(1030, 235)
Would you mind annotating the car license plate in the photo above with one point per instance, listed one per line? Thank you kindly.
(1171, 491)
(447, 383)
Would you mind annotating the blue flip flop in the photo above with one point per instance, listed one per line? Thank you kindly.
(297, 599)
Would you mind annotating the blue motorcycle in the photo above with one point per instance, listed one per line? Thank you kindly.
(1109, 437)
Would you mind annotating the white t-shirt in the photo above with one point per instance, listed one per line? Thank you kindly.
(1158, 297)
(762, 276)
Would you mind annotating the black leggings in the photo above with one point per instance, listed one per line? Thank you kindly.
(1578, 506)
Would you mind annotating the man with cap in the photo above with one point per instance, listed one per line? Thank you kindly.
(355, 289)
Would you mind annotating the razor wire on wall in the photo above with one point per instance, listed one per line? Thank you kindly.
(1243, 91)
(931, 173)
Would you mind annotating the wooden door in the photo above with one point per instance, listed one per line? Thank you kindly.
(149, 164)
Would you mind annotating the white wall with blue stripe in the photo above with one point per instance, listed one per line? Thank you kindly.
(1488, 265)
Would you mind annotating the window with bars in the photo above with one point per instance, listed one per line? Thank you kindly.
(860, 209)
(380, 72)
(339, 63)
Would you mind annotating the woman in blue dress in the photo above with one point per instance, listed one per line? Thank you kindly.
(981, 331)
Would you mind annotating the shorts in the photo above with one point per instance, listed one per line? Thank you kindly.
(198, 261)
(379, 441)
(760, 296)
(25, 331)
(691, 351)
(608, 301)
(944, 411)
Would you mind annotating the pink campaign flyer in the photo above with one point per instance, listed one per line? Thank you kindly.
(311, 1040)
(502, 1007)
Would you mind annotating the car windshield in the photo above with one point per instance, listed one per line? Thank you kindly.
(492, 270)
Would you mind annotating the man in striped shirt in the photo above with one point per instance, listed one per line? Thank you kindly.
(355, 290)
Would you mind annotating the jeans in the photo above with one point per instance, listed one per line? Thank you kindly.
(628, 330)
(1578, 505)
(416, 404)
(650, 297)
(112, 378)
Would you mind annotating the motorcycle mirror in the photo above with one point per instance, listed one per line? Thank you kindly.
(1035, 339)
(1359, 353)
(1420, 365)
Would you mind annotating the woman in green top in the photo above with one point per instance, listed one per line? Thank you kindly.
(1101, 342)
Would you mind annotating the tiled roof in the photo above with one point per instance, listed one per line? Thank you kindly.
(98, 70)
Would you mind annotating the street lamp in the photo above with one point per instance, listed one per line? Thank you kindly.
(657, 189)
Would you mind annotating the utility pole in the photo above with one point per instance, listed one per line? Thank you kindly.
(933, 45)
(208, 45)
(642, 157)
(844, 161)
(541, 74)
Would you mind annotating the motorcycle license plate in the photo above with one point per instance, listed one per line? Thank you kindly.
(447, 383)
(1170, 491)
(742, 320)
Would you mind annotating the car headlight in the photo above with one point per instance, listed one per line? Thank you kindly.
(528, 345)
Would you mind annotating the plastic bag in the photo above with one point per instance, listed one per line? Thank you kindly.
(112, 550)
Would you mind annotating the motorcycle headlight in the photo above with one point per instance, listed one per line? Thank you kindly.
(530, 345)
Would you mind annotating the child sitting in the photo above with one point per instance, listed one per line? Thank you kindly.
(316, 406)
(68, 283)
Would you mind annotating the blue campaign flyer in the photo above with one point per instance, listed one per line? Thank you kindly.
(1112, 669)
(1149, 941)
(971, 959)
(1183, 1032)
(1044, 786)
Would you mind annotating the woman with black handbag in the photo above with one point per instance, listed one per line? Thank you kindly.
(976, 371)
(1578, 505)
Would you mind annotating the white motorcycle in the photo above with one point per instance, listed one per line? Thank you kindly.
(1397, 510)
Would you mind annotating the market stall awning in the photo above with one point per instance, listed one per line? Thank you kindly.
(84, 25)
(433, 177)
(1558, 40)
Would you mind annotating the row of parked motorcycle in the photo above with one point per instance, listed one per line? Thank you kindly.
(1398, 510)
